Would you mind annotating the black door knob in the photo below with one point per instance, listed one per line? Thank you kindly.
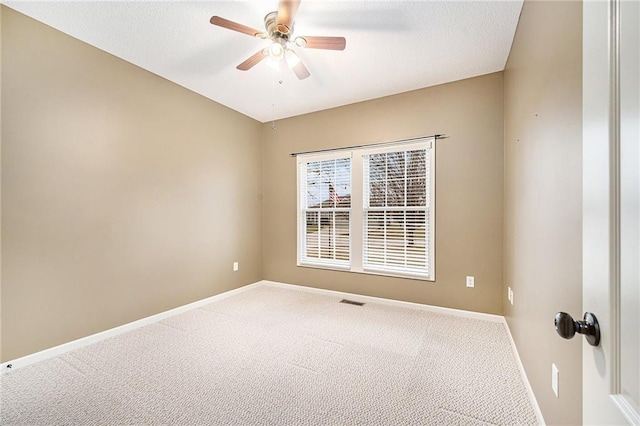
(567, 327)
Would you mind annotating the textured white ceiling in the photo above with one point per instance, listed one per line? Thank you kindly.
(392, 46)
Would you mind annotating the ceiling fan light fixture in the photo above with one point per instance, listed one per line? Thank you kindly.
(276, 51)
(291, 58)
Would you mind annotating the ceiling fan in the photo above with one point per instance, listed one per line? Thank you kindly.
(279, 29)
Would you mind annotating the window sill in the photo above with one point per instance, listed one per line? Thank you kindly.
(384, 273)
(345, 268)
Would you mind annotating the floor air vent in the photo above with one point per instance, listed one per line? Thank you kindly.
(351, 302)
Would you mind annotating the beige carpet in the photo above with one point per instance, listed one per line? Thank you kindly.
(273, 356)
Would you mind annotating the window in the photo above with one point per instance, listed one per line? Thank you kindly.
(369, 209)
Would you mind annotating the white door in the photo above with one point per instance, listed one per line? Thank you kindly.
(611, 213)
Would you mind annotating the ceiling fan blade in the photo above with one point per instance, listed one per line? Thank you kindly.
(330, 43)
(234, 26)
(287, 10)
(252, 60)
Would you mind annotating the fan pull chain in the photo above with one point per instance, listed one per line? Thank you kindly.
(273, 98)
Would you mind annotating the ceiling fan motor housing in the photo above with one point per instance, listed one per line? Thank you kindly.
(276, 31)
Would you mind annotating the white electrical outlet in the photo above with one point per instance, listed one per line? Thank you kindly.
(510, 295)
(235, 266)
(470, 281)
(554, 379)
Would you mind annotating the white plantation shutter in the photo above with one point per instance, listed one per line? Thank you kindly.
(325, 213)
(397, 225)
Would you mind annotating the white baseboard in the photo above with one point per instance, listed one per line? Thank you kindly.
(525, 379)
(7, 367)
(391, 302)
(12, 365)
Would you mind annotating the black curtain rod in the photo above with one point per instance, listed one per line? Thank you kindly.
(294, 154)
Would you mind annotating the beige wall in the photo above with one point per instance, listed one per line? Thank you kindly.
(469, 169)
(123, 195)
(543, 198)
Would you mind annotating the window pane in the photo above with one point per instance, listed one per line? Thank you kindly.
(396, 165)
(312, 240)
(377, 167)
(417, 192)
(395, 193)
(375, 237)
(416, 162)
(342, 183)
(395, 240)
(326, 234)
(312, 184)
(342, 235)
(377, 194)
(416, 244)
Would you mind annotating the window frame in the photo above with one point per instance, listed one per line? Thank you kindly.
(357, 212)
